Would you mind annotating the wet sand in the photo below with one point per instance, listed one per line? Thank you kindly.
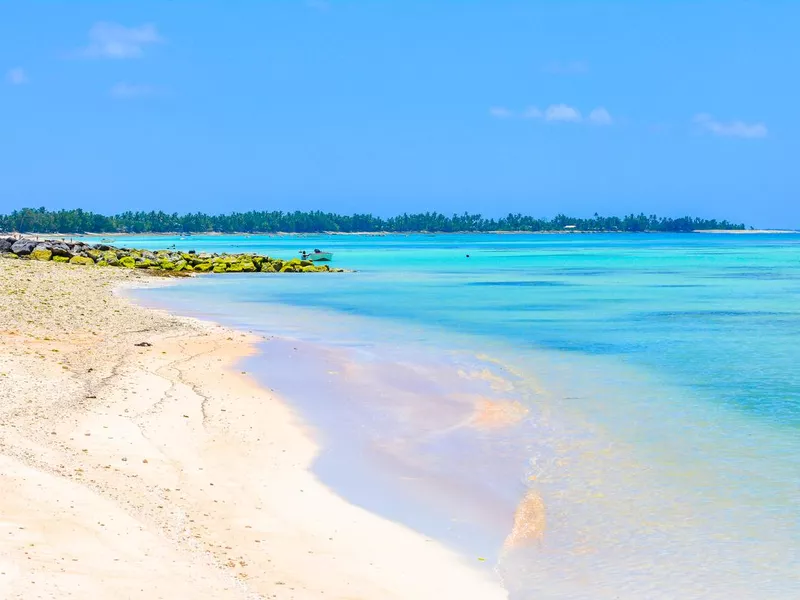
(164, 471)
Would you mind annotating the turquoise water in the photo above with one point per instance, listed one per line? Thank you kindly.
(658, 373)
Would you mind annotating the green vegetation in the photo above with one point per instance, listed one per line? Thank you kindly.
(78, 221)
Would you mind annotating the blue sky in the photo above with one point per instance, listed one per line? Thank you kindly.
(491, 107)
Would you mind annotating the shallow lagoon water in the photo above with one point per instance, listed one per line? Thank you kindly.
(658, 372)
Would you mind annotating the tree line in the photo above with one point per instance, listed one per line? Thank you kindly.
(41, 220)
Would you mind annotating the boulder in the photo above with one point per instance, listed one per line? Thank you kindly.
(6, 243)
(60, 259)
(128, 262)
(60, 249)
(248, 267)
(220, 268)
(235, 267)
(204, 267)
(23, 247)
(81, 260)
(41, 252)
(267, 267)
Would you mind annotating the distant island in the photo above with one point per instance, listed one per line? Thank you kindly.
(41, 220)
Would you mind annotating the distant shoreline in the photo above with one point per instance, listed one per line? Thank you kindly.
(396, 233)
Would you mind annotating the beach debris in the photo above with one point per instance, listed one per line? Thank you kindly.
(165, 262)
(143, 344)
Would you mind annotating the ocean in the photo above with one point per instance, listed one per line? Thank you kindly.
(590, 416)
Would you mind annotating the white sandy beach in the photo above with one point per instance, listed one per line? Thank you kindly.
(163, 471)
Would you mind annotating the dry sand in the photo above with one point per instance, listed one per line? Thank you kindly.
(164, 472)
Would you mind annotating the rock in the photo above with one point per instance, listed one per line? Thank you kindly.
(93, 254)
(60, 259)
(306, 263)
(81, 260)
(6, 243)
(167, 266)
(220, 268)
(143, 263)
(41, 252)
(248, 267)
(203, 267)
(267, 267)
(23, 247)
(235, 268)
(60, 249)
(127, 262)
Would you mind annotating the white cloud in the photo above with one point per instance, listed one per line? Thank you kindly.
(732, 128)
(555, 113)
(111, 40)
(562, 112)
(123, 91)
(572, 67)
(17, 76)
(600, 116)
(532, 112)
(500, 112)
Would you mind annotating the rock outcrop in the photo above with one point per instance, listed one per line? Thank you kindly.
(164, 261)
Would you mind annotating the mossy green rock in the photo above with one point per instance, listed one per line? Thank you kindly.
(94, 254)
(234, 268)
(203, 267)
(167, 266)
(128, 262)
(144, 263)
(306, 263)
(249, 267)
(102, 263)
(41, 254)
(267, 267)
(61, 259)
(81, 260)
(220, 268)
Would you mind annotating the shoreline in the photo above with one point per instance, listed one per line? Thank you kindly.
(121, 460)
(394, 233)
